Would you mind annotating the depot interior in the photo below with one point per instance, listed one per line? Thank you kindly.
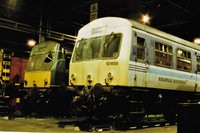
(60, 20)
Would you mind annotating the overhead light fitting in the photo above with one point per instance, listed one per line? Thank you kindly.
(31, 42)
(145, 19)
(197, 40)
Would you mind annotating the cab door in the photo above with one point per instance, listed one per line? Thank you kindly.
(138, 66)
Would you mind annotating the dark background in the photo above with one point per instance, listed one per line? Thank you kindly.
(20, 20)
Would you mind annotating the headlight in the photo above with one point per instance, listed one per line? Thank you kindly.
(110, 76)
(73, 77)
(89, 78)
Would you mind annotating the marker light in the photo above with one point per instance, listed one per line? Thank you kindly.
(110, 76)
(73, 77)
(89, 78)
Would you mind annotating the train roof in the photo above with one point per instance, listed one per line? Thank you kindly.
(117, 21)
(162, 34)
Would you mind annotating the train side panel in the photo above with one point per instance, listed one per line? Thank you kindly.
(146, 74)
(170, 79)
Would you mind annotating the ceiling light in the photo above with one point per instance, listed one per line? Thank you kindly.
(31, 42)
(197, 40)
(145, 18)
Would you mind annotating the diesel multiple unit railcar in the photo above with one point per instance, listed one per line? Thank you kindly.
(46, 73)
(125, 69)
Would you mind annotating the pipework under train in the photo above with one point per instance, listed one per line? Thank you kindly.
(123, 69)
(46, 73)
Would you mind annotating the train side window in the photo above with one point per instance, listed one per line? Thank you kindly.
(140, 48)
(163, 55)
(198, 63)
(183, 60)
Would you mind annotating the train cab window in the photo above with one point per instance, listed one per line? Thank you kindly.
(183, 60)
(47, 64)
(140, 48)
(163, 55)
(198, 63)
(94, 48)
(48, 58)
(111, 45)
(79, 54)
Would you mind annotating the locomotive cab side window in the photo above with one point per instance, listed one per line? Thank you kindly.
(183, 60)
(140, 48)
(163, 55)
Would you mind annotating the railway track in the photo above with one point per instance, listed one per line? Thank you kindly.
(91, 124)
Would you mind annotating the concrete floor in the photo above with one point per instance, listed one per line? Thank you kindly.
(51, 125)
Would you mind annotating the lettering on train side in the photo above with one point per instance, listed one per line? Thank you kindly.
(112, 63)
(171, 80)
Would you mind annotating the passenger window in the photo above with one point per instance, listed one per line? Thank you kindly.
(140, 48)
(183, 60)
(198, 63)
(163, 55)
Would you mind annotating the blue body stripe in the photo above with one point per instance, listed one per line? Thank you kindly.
(167, 72)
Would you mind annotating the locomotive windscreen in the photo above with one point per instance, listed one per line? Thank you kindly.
(98, 47)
